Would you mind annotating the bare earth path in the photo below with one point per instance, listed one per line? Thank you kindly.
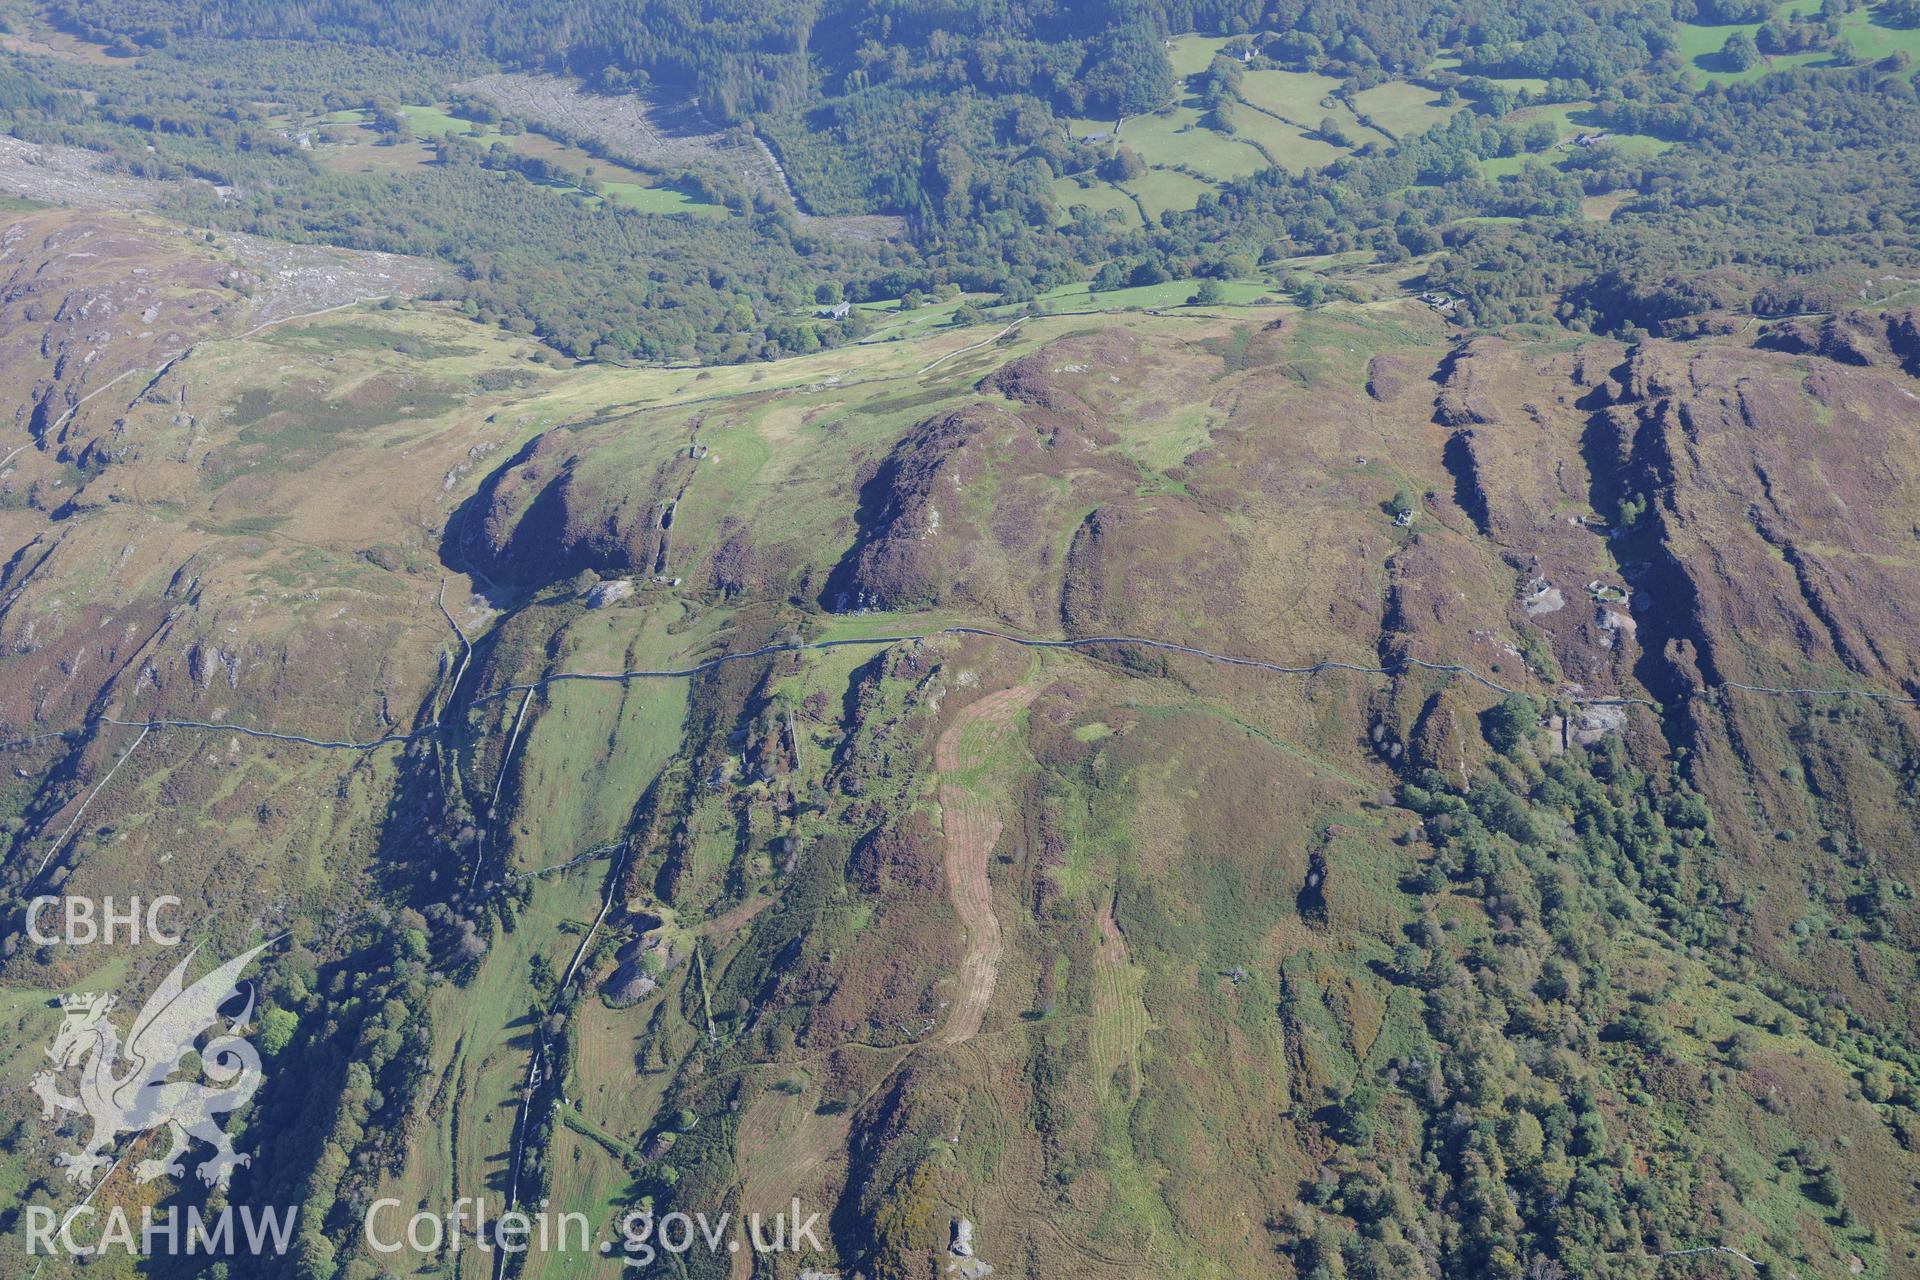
(969, 829)
(785, 1144)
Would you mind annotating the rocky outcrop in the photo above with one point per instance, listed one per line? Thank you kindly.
(551, 511)
(1466, 396)
(964, 508)
(1863, 339)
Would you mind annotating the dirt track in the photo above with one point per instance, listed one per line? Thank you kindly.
(790, 1144)
(969, 830)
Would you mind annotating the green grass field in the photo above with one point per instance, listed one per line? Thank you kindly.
(1497, 167)
(437, 122)
(1563, 116)
(587, 758)
(1640, 145)
(1700, 44)
(1282, 109)
(1403, 109)
(1192, 54)
(1159, 190)
(1179, 139)
(1299, 96)
(621, 185)
(660, 199)
(1099, 196)
(1292, 148)
(1534, 85)
(1568, 119)
(1303, 99)
(1872, 41)
(1172, 293)
(1274, 124)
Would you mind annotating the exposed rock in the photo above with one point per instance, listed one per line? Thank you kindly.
(1857, 338)
(1653, 372)
(629, 985)
(961, 1260)
(603, 594)
(1615, 625)
(1903, 339)
(1313, 894)
(562, 505)
(1593, 723)
(1389, 376)
(205, 662)
(1466, 396)
(1542, 598)
(926, 539)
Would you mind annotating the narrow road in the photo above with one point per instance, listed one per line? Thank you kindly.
(984, 342)
(466, 654)
(1083, 642)
(499, 781)
(81, 811)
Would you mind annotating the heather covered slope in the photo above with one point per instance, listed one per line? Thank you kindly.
(1144, 963)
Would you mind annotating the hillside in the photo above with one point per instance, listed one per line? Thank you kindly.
(1244, 791)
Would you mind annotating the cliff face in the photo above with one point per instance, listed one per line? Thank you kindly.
(1689, 518)
(1782, 493)
(543, 516)
(966, 510)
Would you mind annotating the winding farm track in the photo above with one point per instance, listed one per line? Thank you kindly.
(1402, 666)
(789, 1144)
(969, 830)
(81, 811)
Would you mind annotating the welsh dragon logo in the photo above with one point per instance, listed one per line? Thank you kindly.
(140, 1094)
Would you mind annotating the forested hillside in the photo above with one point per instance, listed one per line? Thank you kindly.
(1005, 137)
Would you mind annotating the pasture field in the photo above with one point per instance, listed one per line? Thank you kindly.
(1299, 96)
(356, 147)
(1177, 139)
(1293, 148)
(1161, 190)
(1275, 123)
(1402, 109)
(1098, 195)
(1191, 54)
